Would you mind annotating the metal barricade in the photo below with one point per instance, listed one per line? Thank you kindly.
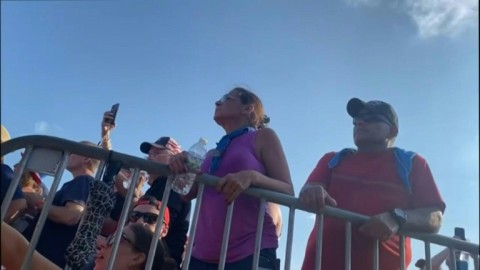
(58, 150)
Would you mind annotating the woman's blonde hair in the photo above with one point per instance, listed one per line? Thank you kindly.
(30, 181)
(5, 134)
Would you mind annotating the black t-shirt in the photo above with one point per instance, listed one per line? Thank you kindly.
(7, 177)
(179, 218)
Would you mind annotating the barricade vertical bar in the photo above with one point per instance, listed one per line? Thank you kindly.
(46, 207)
(101, 169)
(428, 259)
(318, 243)
(401, 247)
(193, 227)
(375, 254)
(453, 259)
(158, 227)
(15, 181)
(288, 252)
(226, 234)
(348, 245)
(123, 218)
(258, 238)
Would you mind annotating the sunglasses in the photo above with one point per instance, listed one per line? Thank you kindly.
(111, 239)
(149, 218)
(371, 118)
(226, 98)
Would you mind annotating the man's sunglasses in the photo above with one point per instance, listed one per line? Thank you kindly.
(371, 118)
(149, 218)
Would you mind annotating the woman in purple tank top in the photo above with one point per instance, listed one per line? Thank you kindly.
(249, 155)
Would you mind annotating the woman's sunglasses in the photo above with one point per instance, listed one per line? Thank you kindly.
(226, 98)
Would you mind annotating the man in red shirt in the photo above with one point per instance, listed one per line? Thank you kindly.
(392, 186)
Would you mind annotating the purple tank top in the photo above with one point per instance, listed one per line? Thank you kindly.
(239, 156)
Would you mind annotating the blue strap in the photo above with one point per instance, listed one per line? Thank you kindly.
(223, 144)
(403, 162)
(339, 156)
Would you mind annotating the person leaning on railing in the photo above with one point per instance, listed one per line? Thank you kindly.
(366, 180)
(249, 155)
(67, 208)
(160, 151)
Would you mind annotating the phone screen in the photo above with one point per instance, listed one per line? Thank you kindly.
(114, 111)
(460, 232)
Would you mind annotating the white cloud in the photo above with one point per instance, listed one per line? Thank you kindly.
(442, 17)
(434, 17)
(42, 127)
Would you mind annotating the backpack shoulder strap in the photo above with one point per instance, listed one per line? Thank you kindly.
(339, 156)
(404, 162)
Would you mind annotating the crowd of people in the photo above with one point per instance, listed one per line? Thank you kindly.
(393, 186)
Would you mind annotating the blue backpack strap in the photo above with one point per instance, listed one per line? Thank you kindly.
(338, 156)
(404, 161)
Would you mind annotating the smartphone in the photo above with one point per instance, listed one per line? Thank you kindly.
(114, 111)
(460, 232)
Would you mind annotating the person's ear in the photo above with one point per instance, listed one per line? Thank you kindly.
(249, 108)
(393, 132)
(164, 230)
(138, 259)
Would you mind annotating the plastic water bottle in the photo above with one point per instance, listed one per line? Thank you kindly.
(182, 183)
(462, 260)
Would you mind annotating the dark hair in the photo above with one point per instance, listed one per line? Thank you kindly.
(150, 200)
(258, 118)
(143, 238)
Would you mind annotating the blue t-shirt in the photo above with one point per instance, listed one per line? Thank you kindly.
(56, 237)
(7, 178)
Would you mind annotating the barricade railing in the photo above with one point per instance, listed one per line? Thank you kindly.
(54, 152)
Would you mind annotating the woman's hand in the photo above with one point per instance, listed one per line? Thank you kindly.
(233, 184)
(34, 202)
(177, 163)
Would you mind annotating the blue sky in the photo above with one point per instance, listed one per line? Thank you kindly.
(63, 63)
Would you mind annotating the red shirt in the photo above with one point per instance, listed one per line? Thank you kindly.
(368, 184)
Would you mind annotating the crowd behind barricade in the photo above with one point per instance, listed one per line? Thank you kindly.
(393, 186)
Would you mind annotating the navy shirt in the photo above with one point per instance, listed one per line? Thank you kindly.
(7, 178)
(56, 237)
